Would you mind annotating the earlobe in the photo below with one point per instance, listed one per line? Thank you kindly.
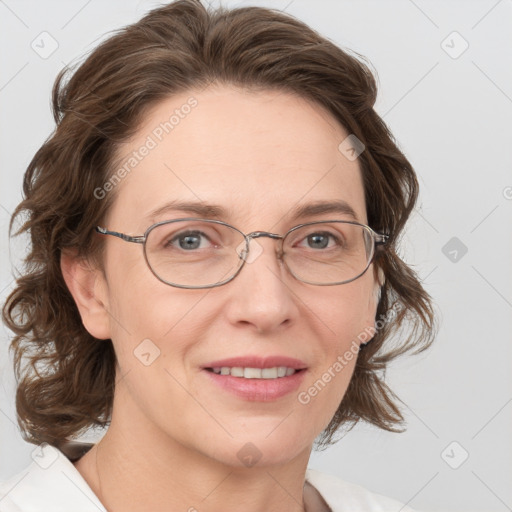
(373, 304)
(379, 282)
(89, 290)
(381, 278)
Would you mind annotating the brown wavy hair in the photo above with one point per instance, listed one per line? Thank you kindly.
(66, 377)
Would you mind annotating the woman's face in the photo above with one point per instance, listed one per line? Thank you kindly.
(259, 157)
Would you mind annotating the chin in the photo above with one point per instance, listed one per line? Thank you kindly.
(260, 451)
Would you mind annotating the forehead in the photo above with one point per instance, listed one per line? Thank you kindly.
(259, 155)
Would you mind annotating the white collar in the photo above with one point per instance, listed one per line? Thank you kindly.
(52, 482)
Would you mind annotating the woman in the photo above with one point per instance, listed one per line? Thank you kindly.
(213, 273)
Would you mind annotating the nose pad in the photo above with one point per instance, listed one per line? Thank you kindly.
(249, 253)
(255, 251)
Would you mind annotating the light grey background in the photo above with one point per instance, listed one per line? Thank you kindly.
(451, 114)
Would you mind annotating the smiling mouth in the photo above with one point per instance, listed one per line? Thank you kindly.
(277, 372)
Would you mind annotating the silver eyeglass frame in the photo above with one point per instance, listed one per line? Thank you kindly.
(379, 239)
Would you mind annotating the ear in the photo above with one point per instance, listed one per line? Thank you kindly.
(89, 289)
(373, 303)
(380, 279)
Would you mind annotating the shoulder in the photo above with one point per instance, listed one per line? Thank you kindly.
(50, 482)
(344, 496)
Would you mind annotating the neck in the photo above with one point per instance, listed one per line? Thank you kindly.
(133, 469)
(132, 480)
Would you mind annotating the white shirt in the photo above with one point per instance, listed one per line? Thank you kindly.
(51, 483)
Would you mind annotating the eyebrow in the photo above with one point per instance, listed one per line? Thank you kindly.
(322, 207)
(199, 208)
(208, 211)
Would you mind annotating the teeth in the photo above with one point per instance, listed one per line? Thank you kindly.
(237, 372)
(252, 373)
(268, 373)
(255, 373)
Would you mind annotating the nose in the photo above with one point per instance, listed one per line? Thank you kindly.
(261, 296)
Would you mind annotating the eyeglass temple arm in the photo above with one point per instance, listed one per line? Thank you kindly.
(380, 238)
(127, 238)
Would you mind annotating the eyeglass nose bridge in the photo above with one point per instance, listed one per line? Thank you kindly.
(244, 255)
(259, 234)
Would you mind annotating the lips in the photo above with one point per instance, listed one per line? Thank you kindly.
(257, 362)
(254, 387)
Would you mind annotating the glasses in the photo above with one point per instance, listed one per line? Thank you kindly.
(201, 253)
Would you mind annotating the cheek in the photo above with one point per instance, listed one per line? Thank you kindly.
(349, 310)
(343, 320)
(141, 306)
(155, 329)
(143, 313)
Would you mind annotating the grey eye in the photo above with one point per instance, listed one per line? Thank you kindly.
(318, 240)
(188, 240)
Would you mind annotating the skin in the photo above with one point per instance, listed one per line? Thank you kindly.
(174, 437)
